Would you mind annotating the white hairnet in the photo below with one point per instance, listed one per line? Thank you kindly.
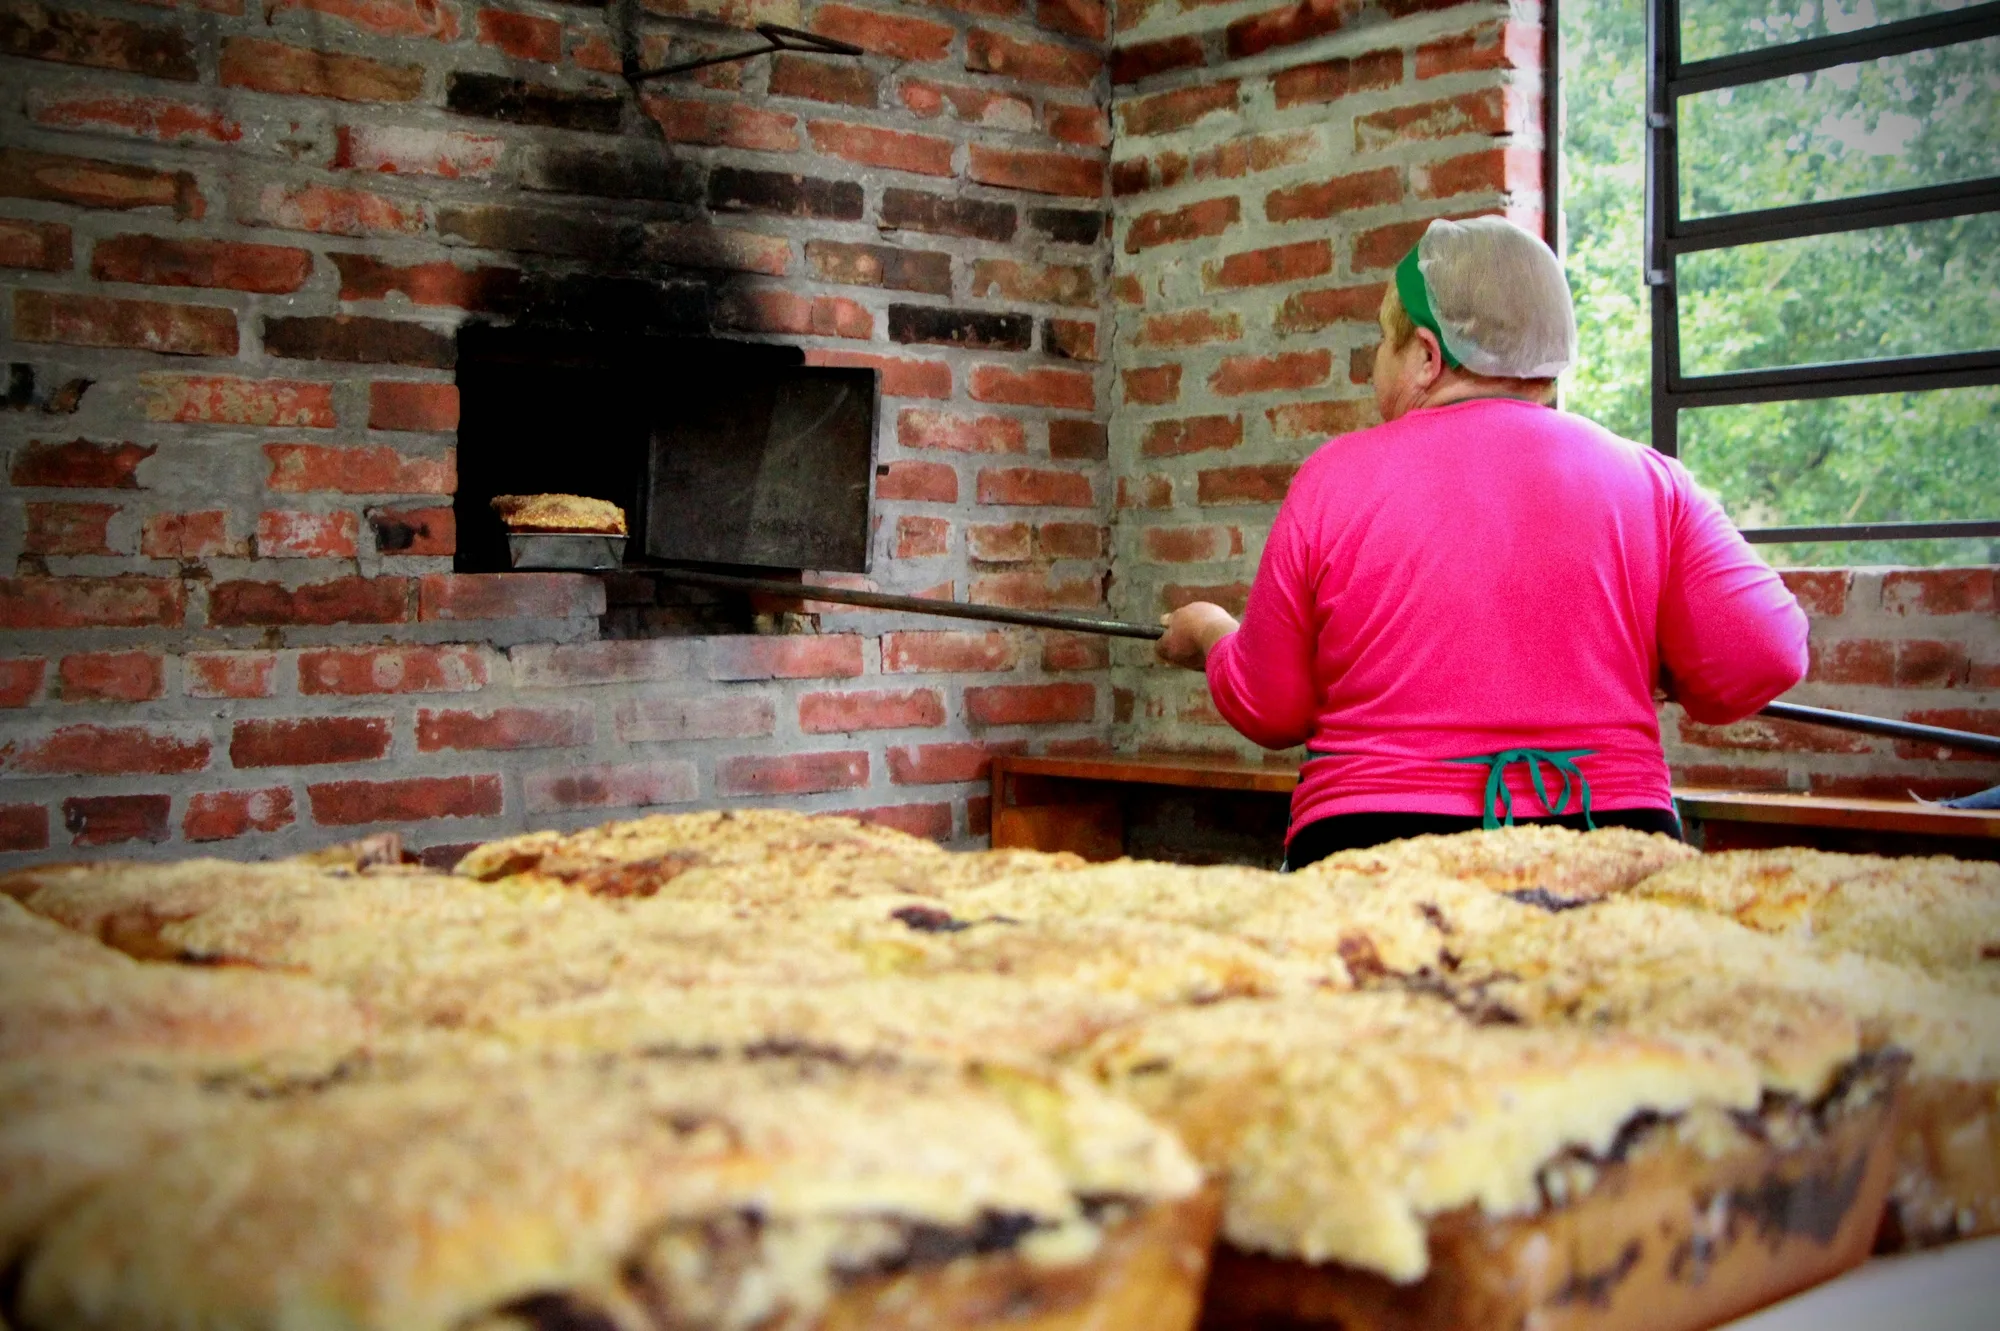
(1499, 296)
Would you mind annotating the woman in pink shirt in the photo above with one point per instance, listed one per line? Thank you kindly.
(1463, 613)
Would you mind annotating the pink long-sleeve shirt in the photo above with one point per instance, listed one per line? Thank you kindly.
(1490, 575)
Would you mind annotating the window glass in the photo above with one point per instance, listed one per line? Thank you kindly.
(1921, 289)
(1891, 457)
(1923, 118)
(1724, 27)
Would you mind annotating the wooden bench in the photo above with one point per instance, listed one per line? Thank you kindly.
(1218, 810)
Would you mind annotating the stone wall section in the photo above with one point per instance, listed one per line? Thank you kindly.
(236, 240)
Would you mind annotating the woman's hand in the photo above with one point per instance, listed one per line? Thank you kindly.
(1192, 632)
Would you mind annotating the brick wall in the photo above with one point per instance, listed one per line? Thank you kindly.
(237, 240)
(1269, 167)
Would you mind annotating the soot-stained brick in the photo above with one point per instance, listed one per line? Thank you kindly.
(789, 195)
(1070, 226)
(519, 102)
(614, 303)
(961, 328)
(611, 174)
(914, 210)
(359, 338)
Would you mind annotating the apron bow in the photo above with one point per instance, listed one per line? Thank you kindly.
(1499, 797)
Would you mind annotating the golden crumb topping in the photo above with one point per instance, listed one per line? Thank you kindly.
(1554, 860)
(559, 512)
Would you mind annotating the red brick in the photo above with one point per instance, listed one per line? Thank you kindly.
(730, 13)
(1287, 371)
(108, 751)
(1209, 217)
(1078, 18)
(846, 82)
(67, 529)
(1481, 112)
(1267, 267)
(186, 535)
(21, 680)
(1230, 596)
(734, 715)
(1762, 734)
(1195, 434)
(109, 820)
(1037, 172)
(773, 310)
(989, 52)
(788, 656)
(308, 741)
(1311, 311)
(724, 124)
(390, 18)
(79, 464)
(292, 534)
(1265, 484)
(1142, 60)
(917, 428)
(1331, 80)
(327, 209)
(1072, 339)
(613, 661)
(1321, 420)
(1039, 589)
(161, 119)
(266, 66)
(900, 377)
(224, 815)
(1191, 545)
(1488, 46)
(1070, 540)
(1515, 170)
(231, 674)
(1938, 591)
(943, 651)
(1000, 542)
(1719, 776)
(24, 827)
(442, 596)
(221, 400)
(979, 816)
(162, 261)
(356, 671)
(1035, 486)
(137, 325)
(1897, 787)
(414, 531)
(609, 786)
(1085, 126)
(939, 764)
(1166, 112)
(413, 799)
(884, 34)
(880, 266)
(77, 603)
(41, 245)
(1074, 440)
(1190, 328)
(1075, 651)
(793, 774)
(930, 821)
(90, 183)
(1342, 194)
(1855, 661)
(394, 405)
(922, 538)
(1030, 704)
(923, 482)
(505, 728)
(340, 601)
(976, 106)
(1035, 284)
(891, 149)
(521, 35)
(1821, 592)
(1256, 152)
(436, 284)
(1385, 246)
(878, 709)
(408, 150)
(1978, 720)
(1932, 665)
(304, 468)
(1072, 390)
(111, 677)
(1288, 26)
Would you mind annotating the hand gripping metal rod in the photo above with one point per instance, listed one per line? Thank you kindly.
(1964, 740)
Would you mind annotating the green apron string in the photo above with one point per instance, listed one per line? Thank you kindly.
(1499, 797)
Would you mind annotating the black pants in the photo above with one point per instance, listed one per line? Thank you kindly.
(1352, 831)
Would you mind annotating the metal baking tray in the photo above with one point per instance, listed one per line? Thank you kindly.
(570, 551)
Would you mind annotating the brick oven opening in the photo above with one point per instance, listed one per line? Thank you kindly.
(721, 453)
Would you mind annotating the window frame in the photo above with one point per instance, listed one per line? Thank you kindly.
(1669, 236)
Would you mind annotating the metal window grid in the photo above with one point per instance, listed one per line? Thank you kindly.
(1669, 236)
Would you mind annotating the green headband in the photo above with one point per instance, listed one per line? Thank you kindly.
(1416, 298)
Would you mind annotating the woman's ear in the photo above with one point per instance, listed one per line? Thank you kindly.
(1434, 366)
